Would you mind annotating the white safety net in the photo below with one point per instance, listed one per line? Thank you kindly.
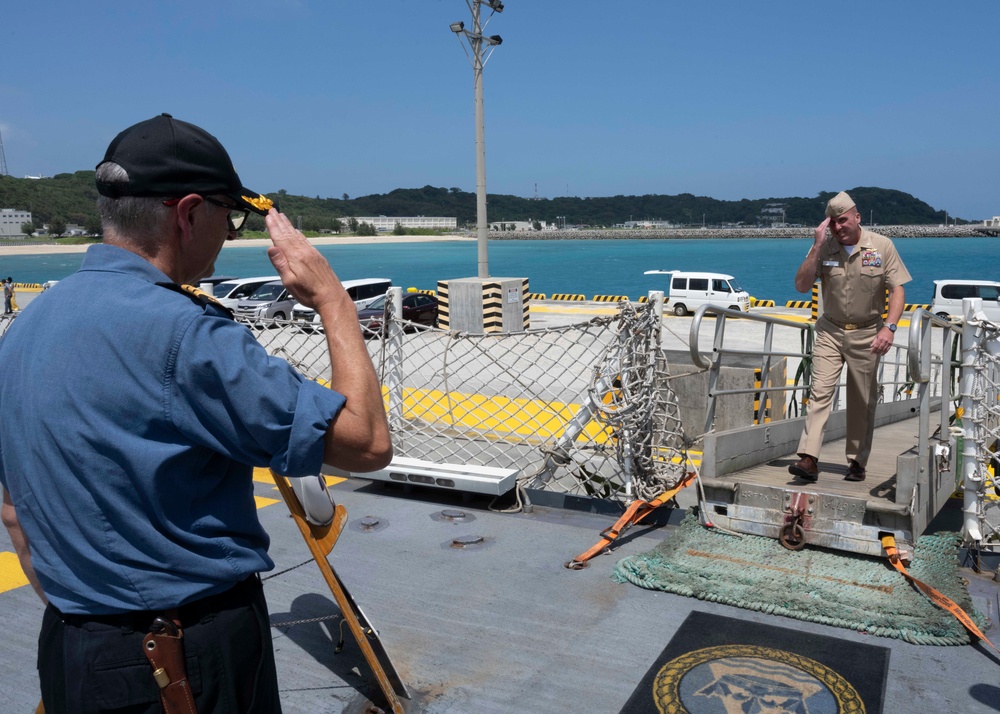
(584, 409)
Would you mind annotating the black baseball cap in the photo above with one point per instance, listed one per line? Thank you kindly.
(169, 157)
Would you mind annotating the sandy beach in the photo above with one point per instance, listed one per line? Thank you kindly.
(35, 249)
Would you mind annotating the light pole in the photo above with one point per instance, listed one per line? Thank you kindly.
(477, 43)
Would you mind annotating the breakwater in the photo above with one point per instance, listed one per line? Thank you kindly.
(689, 233)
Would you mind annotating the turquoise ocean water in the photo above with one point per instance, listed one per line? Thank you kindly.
(764, 267)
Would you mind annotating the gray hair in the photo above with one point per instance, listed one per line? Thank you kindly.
(135, 220)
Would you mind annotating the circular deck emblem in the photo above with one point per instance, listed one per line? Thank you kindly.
(735, 679)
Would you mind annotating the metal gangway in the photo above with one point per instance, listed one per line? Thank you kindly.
(936, 433)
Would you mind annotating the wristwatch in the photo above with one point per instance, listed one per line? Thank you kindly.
(891, 326)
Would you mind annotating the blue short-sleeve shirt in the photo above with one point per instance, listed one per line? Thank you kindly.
(133, 416)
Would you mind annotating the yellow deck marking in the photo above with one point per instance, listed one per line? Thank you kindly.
(498, 415)
(262, 502)
(262, 475)
(11, 575)
(574, 310)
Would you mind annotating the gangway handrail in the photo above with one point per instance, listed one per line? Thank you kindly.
(698, 358)
(766, 354)
(905, 367)
(920, 363)
(919, 367)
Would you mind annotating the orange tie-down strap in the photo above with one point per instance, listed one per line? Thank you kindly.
(942, 601)
(636, 511)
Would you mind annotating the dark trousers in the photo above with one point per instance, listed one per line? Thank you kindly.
(95, 663)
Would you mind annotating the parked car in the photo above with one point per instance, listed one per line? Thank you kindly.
(418, 308)
(362, 292)
(230, 292)
(271, 301)
(216, 279)
(948, 295)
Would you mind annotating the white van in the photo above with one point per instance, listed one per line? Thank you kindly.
(362, 291)
(689, 291)
(948, 295)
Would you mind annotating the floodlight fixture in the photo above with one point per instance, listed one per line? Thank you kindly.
(493, 40)
(494, 5)
(457, 27)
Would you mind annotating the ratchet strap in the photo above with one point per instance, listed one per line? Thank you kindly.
(942, 601)
(164, 648)
(636, 511)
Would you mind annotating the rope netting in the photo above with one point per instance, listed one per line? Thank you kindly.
(583, 409)
(815, 584)
(981, 425)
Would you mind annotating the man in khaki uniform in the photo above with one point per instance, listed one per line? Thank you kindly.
(855, 267)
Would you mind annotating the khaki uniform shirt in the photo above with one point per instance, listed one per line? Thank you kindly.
(854, 286)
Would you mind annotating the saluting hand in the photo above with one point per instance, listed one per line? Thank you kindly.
(821, 231)
(303, 269)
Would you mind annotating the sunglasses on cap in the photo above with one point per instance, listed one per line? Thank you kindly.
(236, 217)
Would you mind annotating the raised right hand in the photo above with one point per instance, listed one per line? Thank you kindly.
(821, 231)
(303, 269)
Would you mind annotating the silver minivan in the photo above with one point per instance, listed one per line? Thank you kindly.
(230, 292)
(271, 301)
(948, 296)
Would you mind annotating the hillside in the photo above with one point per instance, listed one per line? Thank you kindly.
(71, 197)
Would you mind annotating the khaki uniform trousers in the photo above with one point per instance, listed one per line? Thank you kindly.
(834, 348)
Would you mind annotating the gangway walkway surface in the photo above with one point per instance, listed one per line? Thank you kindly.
(765, 499)
(879, 485)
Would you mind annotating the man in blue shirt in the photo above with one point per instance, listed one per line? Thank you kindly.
(143, 409)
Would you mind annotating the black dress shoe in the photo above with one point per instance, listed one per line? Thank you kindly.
(806, 468)
(855, 472)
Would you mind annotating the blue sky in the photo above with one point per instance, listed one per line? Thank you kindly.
(717, 98)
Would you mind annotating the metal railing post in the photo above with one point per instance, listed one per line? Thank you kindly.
(971, 480)
(394, 358)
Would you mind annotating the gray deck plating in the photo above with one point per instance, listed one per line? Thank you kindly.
(499, 627)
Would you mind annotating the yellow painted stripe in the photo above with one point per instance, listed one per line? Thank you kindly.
(262, 502)
(11, 575)
(500, 415)
(574, 310)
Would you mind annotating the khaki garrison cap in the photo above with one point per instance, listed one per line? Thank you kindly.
(841, 203)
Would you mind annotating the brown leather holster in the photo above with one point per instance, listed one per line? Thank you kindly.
(164, 648)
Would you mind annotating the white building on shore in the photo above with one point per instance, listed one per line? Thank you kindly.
(520, 226)
(385, 224)
(11, 220)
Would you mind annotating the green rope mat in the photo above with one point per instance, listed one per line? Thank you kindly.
(858, 592)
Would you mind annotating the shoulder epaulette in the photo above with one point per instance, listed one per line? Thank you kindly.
(198, 295)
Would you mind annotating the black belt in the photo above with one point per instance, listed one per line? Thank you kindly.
(189, 613)
(854, 325)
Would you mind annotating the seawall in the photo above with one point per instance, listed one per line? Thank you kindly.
(715, 233)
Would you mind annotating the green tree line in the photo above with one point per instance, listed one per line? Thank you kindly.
(71, 199)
